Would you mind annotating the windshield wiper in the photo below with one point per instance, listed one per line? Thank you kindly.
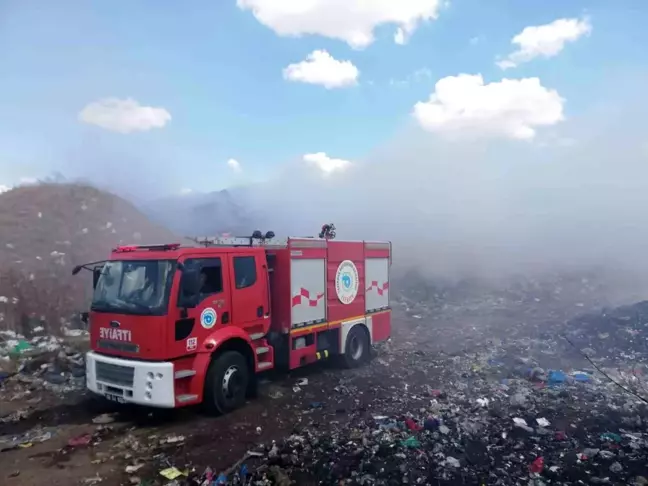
(101, 306)
(143, 308)
(120, 306)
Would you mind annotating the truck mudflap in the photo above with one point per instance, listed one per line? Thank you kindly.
(130, 381)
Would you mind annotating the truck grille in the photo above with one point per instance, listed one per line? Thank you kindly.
(117, 346)
(115, 374)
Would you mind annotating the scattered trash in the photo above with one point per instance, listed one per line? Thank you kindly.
(411, 442)
(452, 462)
(556, 378)
(537, 466)
(431, 423)
(172, 439)
(506, 406)
(132, 469)
(412, 425)
(96, 479)
(581, 376)
(80, 441)
(171, 473)
(21, 346)
(609, 436)
(103, 419)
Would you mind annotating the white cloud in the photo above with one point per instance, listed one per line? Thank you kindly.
(325, 163)
(545, 40)
(124, 116)
(234, 164)
(510, 108)
(323, 69)
(4, 188)
(185, 191)
(352, 21)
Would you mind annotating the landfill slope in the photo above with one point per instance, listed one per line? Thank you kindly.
(45, 230)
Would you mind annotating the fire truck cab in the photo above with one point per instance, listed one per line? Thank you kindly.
(173, 325)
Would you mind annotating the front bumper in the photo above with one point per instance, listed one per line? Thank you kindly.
(131, 381)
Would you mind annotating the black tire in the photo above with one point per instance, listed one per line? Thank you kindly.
(357, 349)
(226, 383)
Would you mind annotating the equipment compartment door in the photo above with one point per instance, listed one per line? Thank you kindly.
(250, 292)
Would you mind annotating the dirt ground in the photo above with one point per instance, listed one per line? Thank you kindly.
(400, 378)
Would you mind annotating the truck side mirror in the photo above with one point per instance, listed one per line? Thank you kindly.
(189, 288)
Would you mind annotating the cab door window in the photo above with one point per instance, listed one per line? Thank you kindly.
(211, 280)
(245, 274)
(211, 275)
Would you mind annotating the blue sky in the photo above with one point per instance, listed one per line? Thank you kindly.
(217, 70)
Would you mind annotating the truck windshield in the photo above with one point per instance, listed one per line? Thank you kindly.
(134, 287)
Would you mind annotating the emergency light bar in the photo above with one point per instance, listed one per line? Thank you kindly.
(162, 247)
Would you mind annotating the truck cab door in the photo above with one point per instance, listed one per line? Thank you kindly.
(249, 290)
(213, 308)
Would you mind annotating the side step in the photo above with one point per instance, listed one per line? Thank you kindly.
(184, 374)
(256, 336)
(264, 365)
(262, 349)
(186, 398)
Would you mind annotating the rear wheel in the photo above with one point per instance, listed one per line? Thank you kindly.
(226, 383)
(357, 348)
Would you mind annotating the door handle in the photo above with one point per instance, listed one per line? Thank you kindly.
(225, 318)
(260, 311)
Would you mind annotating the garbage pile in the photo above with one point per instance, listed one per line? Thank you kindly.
(502, 415)
(48, 228)
(477, 431)
(480, 390)
(41, 361)
(613, 335)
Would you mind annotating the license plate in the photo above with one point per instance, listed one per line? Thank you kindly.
(115, 398)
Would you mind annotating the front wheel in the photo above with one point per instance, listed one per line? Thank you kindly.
(226, 383)
(357, 349)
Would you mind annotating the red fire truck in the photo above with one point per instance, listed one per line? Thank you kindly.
(174, 325)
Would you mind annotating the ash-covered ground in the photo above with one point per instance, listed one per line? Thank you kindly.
(477, 386)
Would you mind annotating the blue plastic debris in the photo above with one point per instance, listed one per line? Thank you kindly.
(243, 472)
(221, 479)
(431, 423)
(581, 376)
(556, 377)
